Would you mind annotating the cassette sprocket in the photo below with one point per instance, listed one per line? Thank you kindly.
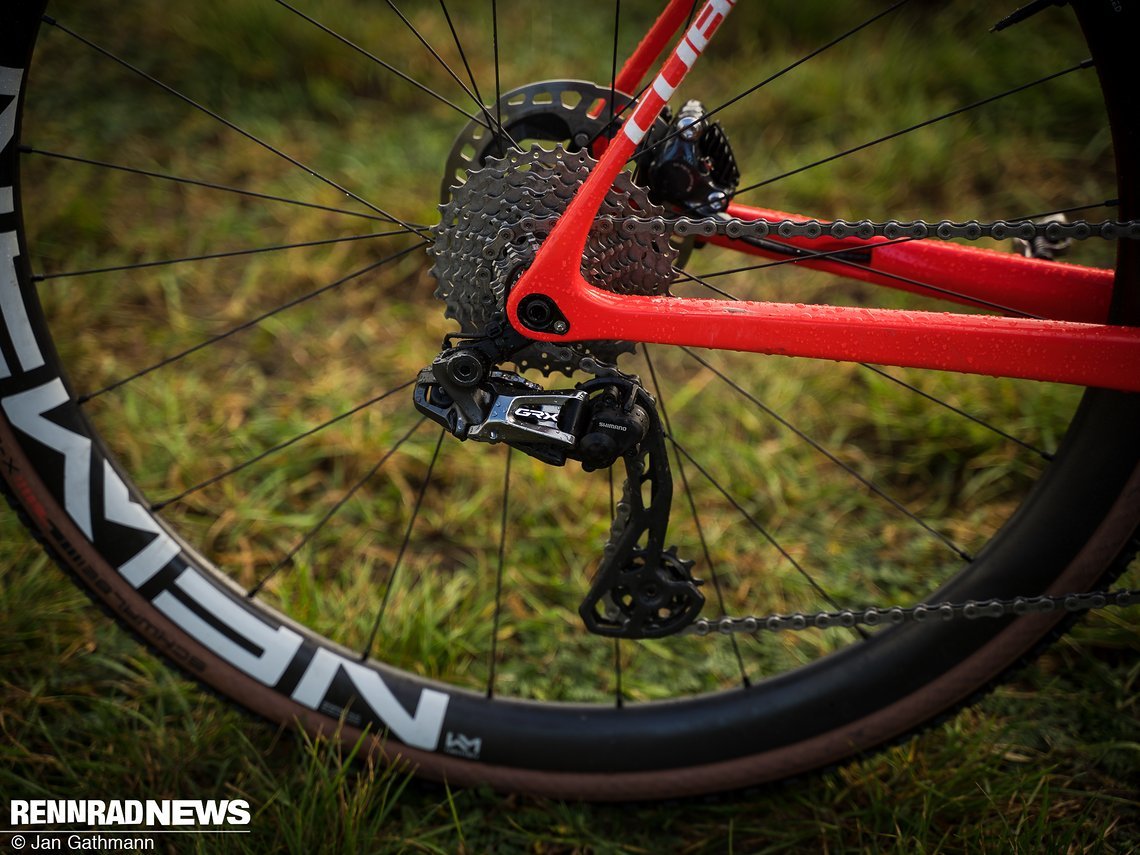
(524, 192)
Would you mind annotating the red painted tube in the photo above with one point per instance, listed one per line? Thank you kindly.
(1058, 351)
(556, 264)
(961, 274)
(638, 64)
(1063, 351)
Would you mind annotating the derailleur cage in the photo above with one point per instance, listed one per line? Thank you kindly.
(640, 590)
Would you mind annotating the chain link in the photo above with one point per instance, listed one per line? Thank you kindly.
(733, 227)
(876, 616)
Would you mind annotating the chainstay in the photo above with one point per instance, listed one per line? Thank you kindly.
(735, 228)
(874, 616)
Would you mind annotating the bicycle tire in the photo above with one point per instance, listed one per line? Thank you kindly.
(1075, 530)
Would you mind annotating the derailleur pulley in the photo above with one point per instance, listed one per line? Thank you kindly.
(641, 589)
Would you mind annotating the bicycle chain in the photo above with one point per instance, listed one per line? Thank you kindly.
(733, 227)
(1052, 230)
(875, 616)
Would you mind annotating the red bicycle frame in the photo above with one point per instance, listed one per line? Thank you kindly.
(1067, 339)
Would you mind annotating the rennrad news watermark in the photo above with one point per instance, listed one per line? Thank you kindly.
(161, 813)
(109, 825)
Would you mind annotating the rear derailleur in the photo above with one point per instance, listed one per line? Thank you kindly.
(641, 589)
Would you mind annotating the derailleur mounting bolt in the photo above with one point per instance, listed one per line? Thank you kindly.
(465, 369)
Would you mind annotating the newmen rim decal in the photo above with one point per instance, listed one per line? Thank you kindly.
(110, 519)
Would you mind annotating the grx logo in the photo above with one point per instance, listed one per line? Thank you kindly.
(541, 415)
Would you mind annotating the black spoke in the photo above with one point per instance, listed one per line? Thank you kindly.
(1107, 203)
(754, 523)
(956, 112)
(692, 12)
(347, 42)
(245, 325)
(435, 54)
(975, 419)
(139, 265)
(495, 44)
(364, 654)
(210, 185)
(798, 257)
(937, 289)
(499, 576)
(611, 125)
(231, 125)
(331, 512)
(496, 127)
(926, 286)
(718, 589)
(613, 63)
(233, 470)
(841, 256)
(462, 53)
(700, 280)
(869, 484)
(777, 75)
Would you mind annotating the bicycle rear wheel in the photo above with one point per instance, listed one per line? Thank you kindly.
(228, 458)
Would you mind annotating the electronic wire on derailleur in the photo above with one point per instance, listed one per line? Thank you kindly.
(641, 589)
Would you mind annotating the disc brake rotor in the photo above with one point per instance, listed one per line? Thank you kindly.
(570, 112)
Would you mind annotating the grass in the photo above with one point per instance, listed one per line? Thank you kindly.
(1048, 764)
